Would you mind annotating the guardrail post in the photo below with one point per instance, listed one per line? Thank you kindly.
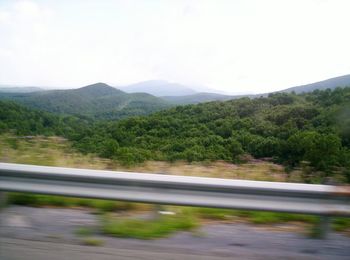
(324, 227)
(3, 199)
(157, 208)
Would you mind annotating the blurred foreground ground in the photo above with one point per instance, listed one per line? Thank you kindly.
(50, 233)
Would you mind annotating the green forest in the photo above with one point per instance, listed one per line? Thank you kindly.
(96, 101)
(310, 130)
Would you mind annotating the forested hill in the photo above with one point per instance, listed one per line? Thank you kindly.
(332, 83)
(21, 121)
(309, 130)
(99, 101)
(16, 89)
(290, 128)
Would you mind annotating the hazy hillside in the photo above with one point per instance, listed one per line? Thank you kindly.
(16, 89)
(342, 81)
(159, 88)
(109, 102)
(199, 98)
(310, 131)
(97, 100)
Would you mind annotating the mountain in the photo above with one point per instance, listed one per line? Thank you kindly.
(288, 128)
(310, 128)
(342, 81)
(103, 101)
(16, 89)
(200, 98)
(159, 88)
(98, 101)
(179, 94)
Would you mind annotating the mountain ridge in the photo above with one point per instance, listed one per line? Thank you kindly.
(159, 88)
(97, 100)
(201, 97)
(182, 94)
(331, 83)
(19, 89)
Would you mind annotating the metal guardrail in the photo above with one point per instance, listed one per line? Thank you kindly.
(179, 190)
(323, 200)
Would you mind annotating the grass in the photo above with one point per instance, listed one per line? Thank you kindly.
(86, 237)
(147, 229)
(84, 231)
(256, 217)
(186, 218)
(91, 241)
(341, 224)
(56, 151)
(210, 213)
(36, 200)
(48, 151)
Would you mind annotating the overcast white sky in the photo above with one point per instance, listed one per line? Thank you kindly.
(237, 46)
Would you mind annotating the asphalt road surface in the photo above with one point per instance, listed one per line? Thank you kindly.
(49, 233)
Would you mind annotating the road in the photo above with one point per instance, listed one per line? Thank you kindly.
(48, 233)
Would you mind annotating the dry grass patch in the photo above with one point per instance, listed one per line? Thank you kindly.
(57, 151)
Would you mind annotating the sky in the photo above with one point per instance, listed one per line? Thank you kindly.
(248, 46)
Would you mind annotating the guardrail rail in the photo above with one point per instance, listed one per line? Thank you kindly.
(323, 200)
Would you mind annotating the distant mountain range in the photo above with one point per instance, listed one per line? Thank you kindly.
(159, 88)
(201, 98)
(105, 102)
(16, 89)
(342, 81)
(98, 100)
(179, 94)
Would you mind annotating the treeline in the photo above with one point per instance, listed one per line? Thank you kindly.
(21, 121)
(98, 101)
(311, 130)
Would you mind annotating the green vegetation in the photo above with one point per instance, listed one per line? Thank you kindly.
(37, 200)
(127, 223)
(212, 213)
(147, 229)
(86, 236)
(23, 121)
(189, 218)
(84, 232)
(341, 224)
(256, 217)
(56, 151)
(310, 129)
(95, 101)
(91, 241)
(259, 217)
(310, 132)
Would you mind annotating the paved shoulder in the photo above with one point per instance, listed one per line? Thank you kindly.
(16, 249)
(49, 233)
